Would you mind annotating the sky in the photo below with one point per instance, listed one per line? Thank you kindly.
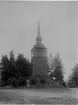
(58, 27)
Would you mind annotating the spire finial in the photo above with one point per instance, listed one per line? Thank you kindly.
(38, 39)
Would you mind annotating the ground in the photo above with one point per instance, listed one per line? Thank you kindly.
(39, 96)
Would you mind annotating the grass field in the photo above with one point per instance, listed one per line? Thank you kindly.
(39, 96)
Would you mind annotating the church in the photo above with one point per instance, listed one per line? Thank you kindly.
(40, 77)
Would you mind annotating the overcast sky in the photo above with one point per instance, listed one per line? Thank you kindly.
(58, 23)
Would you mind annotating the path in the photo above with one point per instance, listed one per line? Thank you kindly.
(37, 96)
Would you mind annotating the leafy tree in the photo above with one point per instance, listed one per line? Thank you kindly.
(50, 63)
(23, 67)
(5, 66)
(4, 63)
(12, 58)
(73, 78)
(14, 68)
(12, 64)
(57, 69)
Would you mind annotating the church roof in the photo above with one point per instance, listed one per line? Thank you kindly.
(39, 43)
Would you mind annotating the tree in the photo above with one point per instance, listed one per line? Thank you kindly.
(5, 67)
(23, 67)
(12, 64)
(50, 63)
(73, 78)
(57, 69)
(4, 63)
(12, 58)
(14, 68)
(8, 67)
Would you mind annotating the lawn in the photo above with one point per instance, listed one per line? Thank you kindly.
(39, 96)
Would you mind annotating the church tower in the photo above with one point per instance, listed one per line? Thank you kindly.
(39, 56)
(40, 77)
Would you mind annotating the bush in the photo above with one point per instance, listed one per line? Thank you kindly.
(14, 82)
(21, 81)
(33, 82)
(9, 81)
(42, 81)
(63, 84)
(3, 83)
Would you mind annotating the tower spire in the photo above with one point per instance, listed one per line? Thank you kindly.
(38, 39)
(38, 28)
